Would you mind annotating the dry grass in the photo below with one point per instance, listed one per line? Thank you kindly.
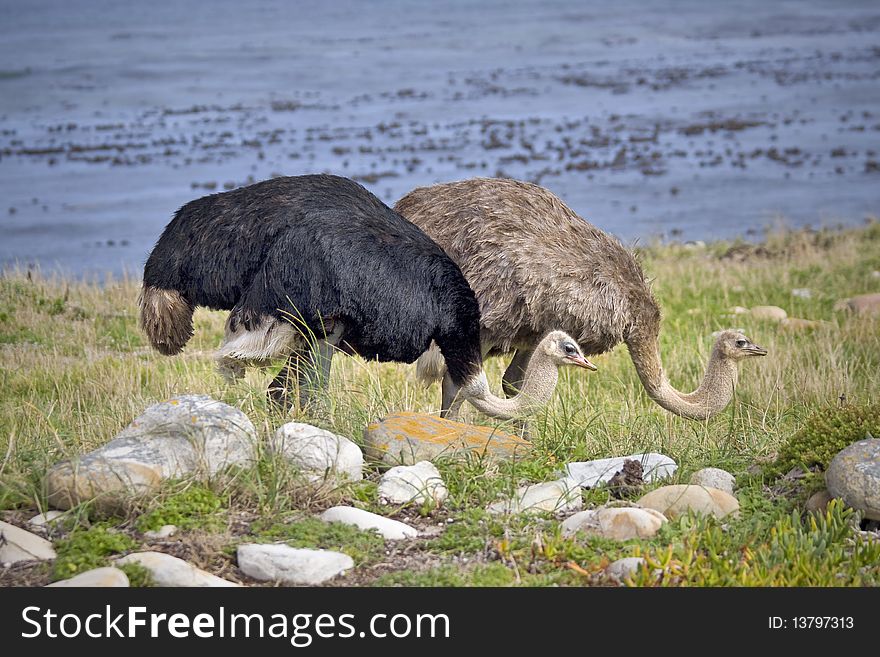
(74, 370)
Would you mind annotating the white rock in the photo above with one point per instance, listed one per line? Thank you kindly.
(318, 453)
(412, 483)
(802, 293)
(388, 528)
(96, 578)
(738, 310)
(618, 523)
(184, 436)
(679, 499)
(163, 532)
(43, 519)
(714, 478)
(554, 496)
(18, 545)
(589, 474)
(623, 568)
(281, 563)
(166, 570)
(772, 313)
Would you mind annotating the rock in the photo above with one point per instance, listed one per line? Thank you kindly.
(589, 474)
(97, 578)
(163, 532)
(798, 324)
(678, 499)
(770, 313)
(875, 274)
(412, 483)
(17, 545)
(818, 502)
(319, 454)
(738, 310)
(623, 568)
(617, 523)
(43, 519)
(714, 478)
(281, 563)
(802, 293)
(863, 304)
(388, 528)
(854, 476)
(184, 436)
(554, 496)
(166, 570)
(407, 438)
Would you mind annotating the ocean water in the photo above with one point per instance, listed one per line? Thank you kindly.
(673, 119)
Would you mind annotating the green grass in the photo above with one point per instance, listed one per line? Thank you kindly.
(87, 548)
(195, 507)
(74, 370)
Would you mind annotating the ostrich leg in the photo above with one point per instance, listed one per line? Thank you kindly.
(451, 401)
(513, 377)
(309, 368)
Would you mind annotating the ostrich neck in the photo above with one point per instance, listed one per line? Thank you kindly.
(538, 385)
(710, 398)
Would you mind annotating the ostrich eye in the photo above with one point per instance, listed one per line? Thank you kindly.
(741, 343)
(570, 349)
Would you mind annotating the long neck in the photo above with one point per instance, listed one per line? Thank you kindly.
(538, 384)
(710, 398)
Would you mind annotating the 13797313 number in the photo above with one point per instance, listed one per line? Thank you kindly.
(811, 623)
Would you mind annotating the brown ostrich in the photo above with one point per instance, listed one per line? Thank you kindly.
(535, 265)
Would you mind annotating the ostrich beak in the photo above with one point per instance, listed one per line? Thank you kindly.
(580, 361)
(755, 350)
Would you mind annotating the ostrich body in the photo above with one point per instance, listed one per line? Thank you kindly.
(535, 265)
(307, 266)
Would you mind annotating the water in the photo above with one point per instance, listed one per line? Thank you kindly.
(688, 120)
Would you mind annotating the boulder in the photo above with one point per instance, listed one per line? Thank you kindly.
(769, 313)
(417, 483)
(854, 476)
(863, 304)
(16, 545)
(714, 478)
(626, 567)
(190, 435)
(167, 570)
(318, 453)
(589, 474)
(617, 523)
(388, 528)
(678, 499)
(553, 496)
(96, 578)
(407, 438)
(287, 565)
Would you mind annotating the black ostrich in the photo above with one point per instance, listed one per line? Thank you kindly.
(310, 265)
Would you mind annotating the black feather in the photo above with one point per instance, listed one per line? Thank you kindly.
(321, 248)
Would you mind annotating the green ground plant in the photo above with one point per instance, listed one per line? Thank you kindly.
(75, 370)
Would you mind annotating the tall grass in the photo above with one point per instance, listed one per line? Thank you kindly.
(74, 370)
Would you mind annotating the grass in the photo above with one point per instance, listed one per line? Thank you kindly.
(74, 370)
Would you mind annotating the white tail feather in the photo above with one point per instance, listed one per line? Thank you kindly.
(431, 366)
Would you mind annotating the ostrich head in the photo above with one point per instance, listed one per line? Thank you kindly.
(733, 345)
(563, 350)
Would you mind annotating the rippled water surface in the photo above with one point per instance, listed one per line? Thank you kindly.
(689, 120)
